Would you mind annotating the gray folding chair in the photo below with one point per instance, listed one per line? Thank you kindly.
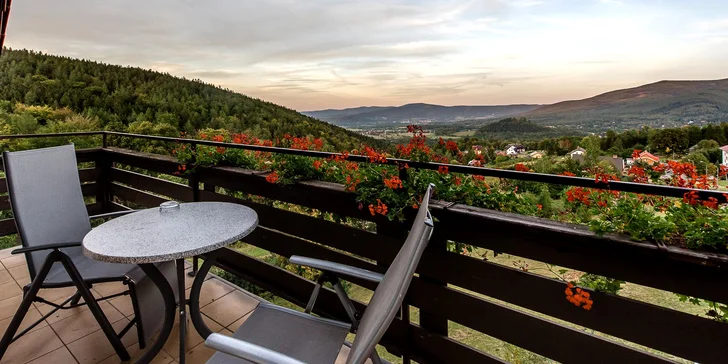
(274, 334)
(52, 220)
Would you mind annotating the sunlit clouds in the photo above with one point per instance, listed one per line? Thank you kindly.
(339, 53)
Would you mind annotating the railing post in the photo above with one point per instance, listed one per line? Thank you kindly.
(431, 322)
(103, 181)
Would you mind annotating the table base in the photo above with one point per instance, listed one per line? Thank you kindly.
(171, 303)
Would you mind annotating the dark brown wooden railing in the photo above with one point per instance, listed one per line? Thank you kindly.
(449, 285)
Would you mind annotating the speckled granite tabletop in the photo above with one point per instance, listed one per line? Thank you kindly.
(151, 236)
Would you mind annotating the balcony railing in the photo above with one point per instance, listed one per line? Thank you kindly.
(484, 296)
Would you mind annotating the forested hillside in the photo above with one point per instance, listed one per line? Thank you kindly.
(521, 128)
(668, 103)
(120, 96)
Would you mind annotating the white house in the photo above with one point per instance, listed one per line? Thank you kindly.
(724, 152)
(514, 149)
(578, 151)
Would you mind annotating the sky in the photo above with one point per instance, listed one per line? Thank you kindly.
(317, 54)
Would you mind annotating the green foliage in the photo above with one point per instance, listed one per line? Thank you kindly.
(716, 311)
(664, 140)
(601, 283)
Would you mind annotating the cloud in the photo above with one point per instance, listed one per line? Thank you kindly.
(336, 53)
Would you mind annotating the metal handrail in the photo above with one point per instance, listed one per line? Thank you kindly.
(643, 188)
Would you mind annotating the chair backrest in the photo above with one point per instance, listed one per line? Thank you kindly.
(390, 292)
(46, 199)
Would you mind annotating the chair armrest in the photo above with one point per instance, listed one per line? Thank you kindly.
(45, 247)
(247, 351)
(338, 268)
(112, 214)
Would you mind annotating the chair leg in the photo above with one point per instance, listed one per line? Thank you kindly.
(94, 307)
(137, 315)
(29, 296)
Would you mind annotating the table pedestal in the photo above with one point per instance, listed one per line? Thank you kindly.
(171, 303)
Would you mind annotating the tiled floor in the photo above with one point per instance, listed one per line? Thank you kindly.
(73, 336)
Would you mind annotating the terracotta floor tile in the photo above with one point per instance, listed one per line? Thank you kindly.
(230, 308)
(57, 294)
(19, 272)
(7, 252)
(23, 281)
(9, 290)
(77, 326)
(136, 353)
(31, 346)
(200, 354)
(5, 276)
(123, 304)
(107, 289)
(9, 306)
(60, 314)
(58, 356)
(212, 289)
(13, 261)
(32, 316)
(95, 347)
(192, 338)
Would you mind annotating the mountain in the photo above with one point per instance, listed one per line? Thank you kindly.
(668, 103)
(522, 128)
(119, 96)
(380, 116)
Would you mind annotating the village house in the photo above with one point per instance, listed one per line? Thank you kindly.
(647, 158)
(537, 154)
(514, 149)
(578, 151)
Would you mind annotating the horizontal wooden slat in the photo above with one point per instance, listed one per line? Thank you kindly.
(425, 347)
(3, 185)
(89, 189)
(88, 174)
(151, 162)
(136, 196)
(4, 203)
(139, 181)
(319, 195)
(115, 207)
(550, 339)
(329, 233)
(7, 227)
(576, 247)
(87, 155)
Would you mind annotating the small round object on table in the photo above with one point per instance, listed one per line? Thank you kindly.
(152, 236)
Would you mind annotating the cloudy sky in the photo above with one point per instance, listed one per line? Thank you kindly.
(313, 54)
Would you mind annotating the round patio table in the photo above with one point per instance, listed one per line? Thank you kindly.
(172, 232)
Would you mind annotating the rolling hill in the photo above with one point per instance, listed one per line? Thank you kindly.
(118, 96)
(668, 103)
(363, 117)
(522, 128)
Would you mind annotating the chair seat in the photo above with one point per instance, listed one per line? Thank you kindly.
(92, 271)
(301, 336)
